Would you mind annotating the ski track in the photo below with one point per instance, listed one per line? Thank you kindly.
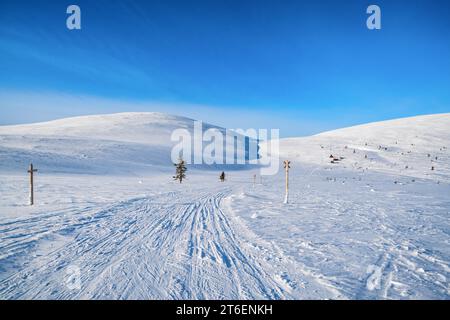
(387, 264)
(138, 249)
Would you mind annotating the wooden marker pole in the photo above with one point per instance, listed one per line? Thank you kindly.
(287, 166)
(31, 171)
(254, 180)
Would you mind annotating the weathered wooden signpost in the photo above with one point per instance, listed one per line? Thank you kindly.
(31, 171)
(287, 166)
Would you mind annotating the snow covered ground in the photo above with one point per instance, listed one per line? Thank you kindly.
(109, 222)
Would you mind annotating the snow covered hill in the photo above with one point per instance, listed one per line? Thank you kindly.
(355, 227)
(136, 142)
(121, 143)
(415, 147)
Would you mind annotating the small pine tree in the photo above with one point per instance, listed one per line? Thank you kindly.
(180, 172)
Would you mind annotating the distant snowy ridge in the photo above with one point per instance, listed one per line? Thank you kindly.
(137, 127)
(416, 147)
(127, 143)
(100, 144)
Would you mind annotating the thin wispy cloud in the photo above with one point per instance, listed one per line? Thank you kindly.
(302, 67)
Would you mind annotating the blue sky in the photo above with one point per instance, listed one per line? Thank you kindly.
(301, 66)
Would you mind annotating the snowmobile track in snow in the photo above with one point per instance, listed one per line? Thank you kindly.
(138, 249)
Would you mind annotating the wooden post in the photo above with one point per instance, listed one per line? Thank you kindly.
(287, 166)
(31, 171)
(254, 180)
